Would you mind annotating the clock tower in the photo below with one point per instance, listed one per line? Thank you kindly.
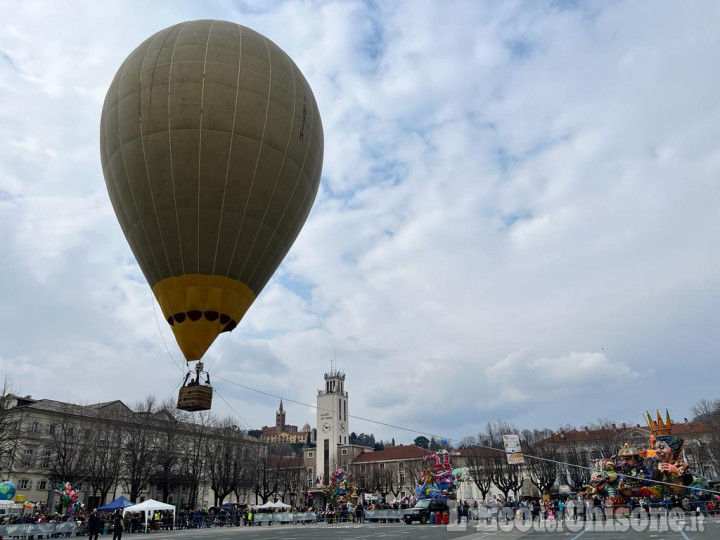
(332, 423)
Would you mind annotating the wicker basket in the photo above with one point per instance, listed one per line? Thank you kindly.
(197, 397)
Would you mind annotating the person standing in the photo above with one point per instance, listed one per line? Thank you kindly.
(118, 524)
(94, 524)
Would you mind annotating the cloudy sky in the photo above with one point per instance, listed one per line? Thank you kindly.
(518, 215)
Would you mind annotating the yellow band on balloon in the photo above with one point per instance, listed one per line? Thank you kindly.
(199, 307)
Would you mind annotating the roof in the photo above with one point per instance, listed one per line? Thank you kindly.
(393, 453)
(682, 429)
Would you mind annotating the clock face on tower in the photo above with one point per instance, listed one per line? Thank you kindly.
(326, 427)
(342, 427)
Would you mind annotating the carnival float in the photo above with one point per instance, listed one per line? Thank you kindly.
(657, 473)
(438, 480)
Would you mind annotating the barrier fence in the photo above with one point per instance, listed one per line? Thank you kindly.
(284, 517)
(38, 530)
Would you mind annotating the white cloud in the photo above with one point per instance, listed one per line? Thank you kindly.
(507, 189)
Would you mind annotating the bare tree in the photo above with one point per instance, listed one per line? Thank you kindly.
(603, 440)
(169, 445)
(69, 455)
(506, 477)
(384, 480)
(192, 463)
(103, 467)
(708, 450)
(222, 449)
(265, 472)
(577, 472)
(9, 427)
(138, 448)
(479, 464)
(541, 460)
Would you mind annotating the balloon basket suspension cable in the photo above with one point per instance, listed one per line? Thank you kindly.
(195, 395)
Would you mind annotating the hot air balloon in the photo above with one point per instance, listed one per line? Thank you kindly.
(211, 146)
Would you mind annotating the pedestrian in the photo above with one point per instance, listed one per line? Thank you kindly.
(118, 525)
(94, 524)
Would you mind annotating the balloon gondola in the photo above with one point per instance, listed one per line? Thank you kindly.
(212, 147)
(195, 395)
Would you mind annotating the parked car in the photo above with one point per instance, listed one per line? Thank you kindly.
(422, 510)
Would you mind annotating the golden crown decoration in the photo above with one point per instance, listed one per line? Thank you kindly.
(659, 427)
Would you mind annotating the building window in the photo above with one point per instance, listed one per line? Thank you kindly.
(344, 452)
(382, 466)
(29, 457)
(310, 454)
(402, 478)
(70, 432)
(45, 460)
(34, 426)
(42, 485)
(24, 483)
(340, 440)
(51, 429)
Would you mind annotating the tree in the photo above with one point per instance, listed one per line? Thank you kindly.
(708, 450)
(9, 428)
(265, 472)
(506, 477)
(378, 446)
(223, 463)
(168, 451)
(366, 440)
(103, 468)
(381, 479)
(138, 448)
(192, 463)
(478, 462)
(542, 468)
(433, 444)
(576, 472)
(422, 442)
(69, 455)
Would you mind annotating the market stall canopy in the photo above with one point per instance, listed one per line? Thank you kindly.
(121, 502)
(149, 506)
(280, 504)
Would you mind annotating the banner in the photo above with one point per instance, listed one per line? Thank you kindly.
(512, 449)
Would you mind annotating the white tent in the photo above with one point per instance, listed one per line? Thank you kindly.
(280, 504)
(266, 505)
(149, 507)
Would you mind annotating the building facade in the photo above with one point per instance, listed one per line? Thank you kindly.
(285, 433)
(106, 450)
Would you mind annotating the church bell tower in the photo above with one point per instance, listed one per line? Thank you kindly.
(332, 423)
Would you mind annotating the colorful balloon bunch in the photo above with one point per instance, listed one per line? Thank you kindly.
(340, 486)
(68, 497)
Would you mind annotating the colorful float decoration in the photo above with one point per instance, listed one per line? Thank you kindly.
(438, 480)
(656, 472)
(340, 489)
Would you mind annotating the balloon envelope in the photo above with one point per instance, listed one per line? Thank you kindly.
(211, 147)
(7, 491)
